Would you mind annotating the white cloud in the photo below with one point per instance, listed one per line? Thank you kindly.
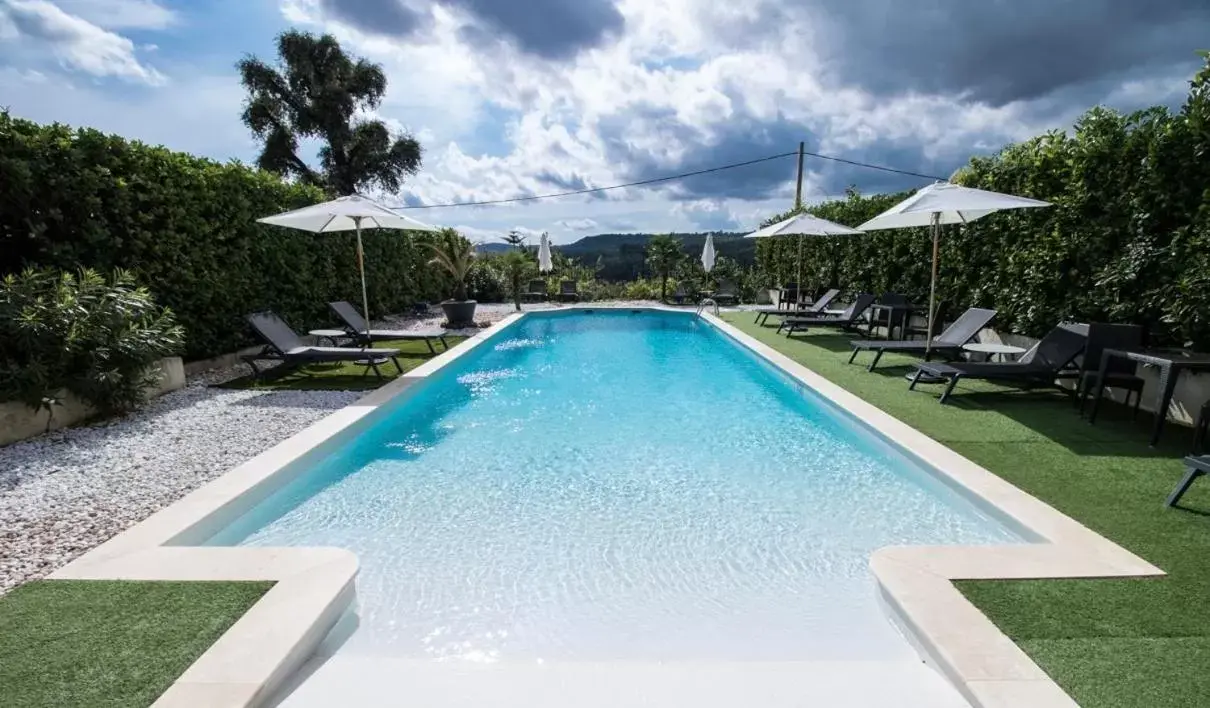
(121, 14)
(578, 224)
(79, 44)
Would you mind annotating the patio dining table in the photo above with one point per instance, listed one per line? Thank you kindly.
(894, 312)
(1171, 363)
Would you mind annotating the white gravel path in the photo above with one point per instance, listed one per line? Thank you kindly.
(68, 491)
(63, 493)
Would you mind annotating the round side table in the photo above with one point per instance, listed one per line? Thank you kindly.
(992, 349)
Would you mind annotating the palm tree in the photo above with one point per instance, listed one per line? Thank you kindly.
(663, 253)
(318, 91)
(516, 266)
(455, 255)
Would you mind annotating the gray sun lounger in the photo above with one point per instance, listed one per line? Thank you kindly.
(1039, 366)
(283, 344)
(568, 291)
(762, 313)
(845, 320)
(947, 345)
(726, 293)
(356, 326)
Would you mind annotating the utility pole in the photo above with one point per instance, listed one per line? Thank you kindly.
(802, 146)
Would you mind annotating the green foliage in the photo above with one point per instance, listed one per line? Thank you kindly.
(186, 228)
(663, 255)
(81, 333)
(514, 239)
(517, 266)
(1127, 241)
(317, 91)
(456, 256)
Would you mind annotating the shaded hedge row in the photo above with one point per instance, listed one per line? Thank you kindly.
(1128, 239)
(185, 226)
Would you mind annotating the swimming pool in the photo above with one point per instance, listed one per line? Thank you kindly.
(616, 485)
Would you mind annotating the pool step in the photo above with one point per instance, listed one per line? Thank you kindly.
(369, 682)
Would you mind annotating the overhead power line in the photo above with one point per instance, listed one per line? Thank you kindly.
(669, 178)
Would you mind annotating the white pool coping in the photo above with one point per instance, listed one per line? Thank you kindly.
(314, 586)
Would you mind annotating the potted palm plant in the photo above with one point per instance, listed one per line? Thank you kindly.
(516, 266)
(455, 255)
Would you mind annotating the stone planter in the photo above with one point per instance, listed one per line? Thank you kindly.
(459, 313)
(18, 422)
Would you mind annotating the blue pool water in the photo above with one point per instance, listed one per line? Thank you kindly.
(615, 485)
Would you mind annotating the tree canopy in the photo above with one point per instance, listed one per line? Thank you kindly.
(318, 91)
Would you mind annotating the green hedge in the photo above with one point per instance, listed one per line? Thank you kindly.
(1128, 240)
(185, 226)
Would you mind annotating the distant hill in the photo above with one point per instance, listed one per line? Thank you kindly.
(622, 255)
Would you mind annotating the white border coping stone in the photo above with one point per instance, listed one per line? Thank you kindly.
(314, 586)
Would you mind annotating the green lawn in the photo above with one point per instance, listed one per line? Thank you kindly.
(345, 376)
(1109, 643)
(95, 644)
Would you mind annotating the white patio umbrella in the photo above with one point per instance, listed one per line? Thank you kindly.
(352, 213)
(804, 225)
(708, 253)
(945, 203)
(545, 263)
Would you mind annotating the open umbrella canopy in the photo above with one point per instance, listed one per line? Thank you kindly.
(939, 204)
(804, 225)
(708, 253)
(352, 213)
(946, 203)
(545, 262)
(346, 214)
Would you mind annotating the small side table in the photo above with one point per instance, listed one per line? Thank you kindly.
(332, 335)
(992, 349)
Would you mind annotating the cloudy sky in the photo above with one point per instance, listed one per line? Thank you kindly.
(520, 97)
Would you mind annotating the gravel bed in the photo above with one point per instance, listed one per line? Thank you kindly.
(63, 493)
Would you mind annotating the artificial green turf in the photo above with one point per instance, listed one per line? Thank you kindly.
(344, 376)
(101, 643)
(1109, 643)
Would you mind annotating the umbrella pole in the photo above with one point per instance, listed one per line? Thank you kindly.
(798, 276)
(933, 283)
(361, 266)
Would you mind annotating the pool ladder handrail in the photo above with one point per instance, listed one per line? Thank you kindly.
(708, 302)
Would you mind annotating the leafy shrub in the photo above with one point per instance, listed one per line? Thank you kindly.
(94, 338)
(186, 227)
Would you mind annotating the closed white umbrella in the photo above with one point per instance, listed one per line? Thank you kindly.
(352, 213)
(804, 225)
(708, 253)
(545, 263)
(945, 203)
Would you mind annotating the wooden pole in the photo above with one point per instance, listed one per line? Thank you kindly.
(933, 284)
(798, 190)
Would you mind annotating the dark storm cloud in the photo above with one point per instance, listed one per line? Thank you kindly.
(386, 17)
(567, 184)
(1000, 52)
(739, 140)
(551, 29)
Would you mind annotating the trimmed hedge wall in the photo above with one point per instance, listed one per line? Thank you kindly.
(1128, 239)
(185, 226)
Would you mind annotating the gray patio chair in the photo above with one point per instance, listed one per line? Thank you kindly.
(356, 326)
(1041, 365)
(535, 292)
(568, 292)
(762, 314)
(283, 344)
(846, 320)
(946, 345)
